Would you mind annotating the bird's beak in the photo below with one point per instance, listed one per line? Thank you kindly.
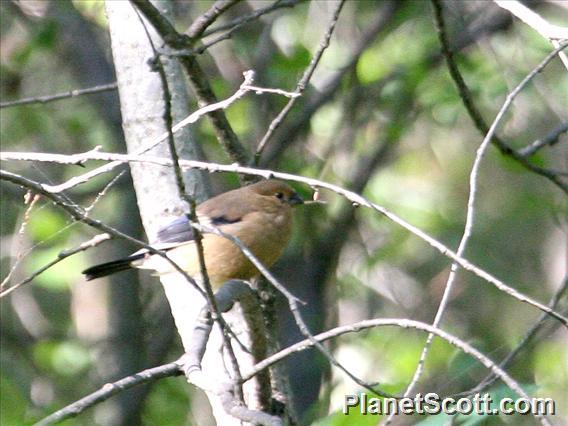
(295, 200)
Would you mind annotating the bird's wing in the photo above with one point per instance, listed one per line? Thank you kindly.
(179, 230)
(228, 208)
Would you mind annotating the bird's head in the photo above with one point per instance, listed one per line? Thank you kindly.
(277, 189)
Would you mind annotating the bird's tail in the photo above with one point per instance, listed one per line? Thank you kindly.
(108, 268)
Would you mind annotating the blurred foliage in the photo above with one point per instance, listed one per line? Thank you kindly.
(398, 96)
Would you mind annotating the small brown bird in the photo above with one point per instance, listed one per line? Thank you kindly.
(260, 215)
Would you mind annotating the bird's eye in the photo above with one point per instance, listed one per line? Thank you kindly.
(279, 195)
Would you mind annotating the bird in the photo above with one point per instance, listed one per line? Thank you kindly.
(259, 215)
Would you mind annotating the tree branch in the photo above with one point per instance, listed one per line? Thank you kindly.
(162, 25)
(553, 33)
(198, 27)
(529, 335)
(59, 96)
(110, 389)
(176, 368)
(549, 140)
(190, 119)
(238, 22)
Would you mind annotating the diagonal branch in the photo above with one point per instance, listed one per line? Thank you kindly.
(549, 140)
(198, 27)
(162, 25)
(190, 119)
(238, 22)
(289, 133)
(554, 33)
(110, 389)
(530, 334)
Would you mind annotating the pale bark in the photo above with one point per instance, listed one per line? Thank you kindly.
(142, 106)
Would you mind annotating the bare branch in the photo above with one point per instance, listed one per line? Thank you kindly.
(203, 22)
(59, 96)
(176, 368)
(30, 199)
(238, 22)
(231, 292)
(534, 20)
(188, 364)
(549, 140)
(164, 27)
(190, 119)
(530, 334)
(93, 242)
(554, 33)
(110, 389)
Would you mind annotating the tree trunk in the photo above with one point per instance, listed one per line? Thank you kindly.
(142, 107)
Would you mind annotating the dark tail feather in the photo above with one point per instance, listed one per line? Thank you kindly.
(108, 268)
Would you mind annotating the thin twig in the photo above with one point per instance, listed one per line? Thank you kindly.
(30, 199)
(553, 33)
(302, 83)
(102, 193)
(238, 22)
(93, 242)
(59, 96)
(110, 389)
(549, 140)
(235, 25)
(200, 25)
